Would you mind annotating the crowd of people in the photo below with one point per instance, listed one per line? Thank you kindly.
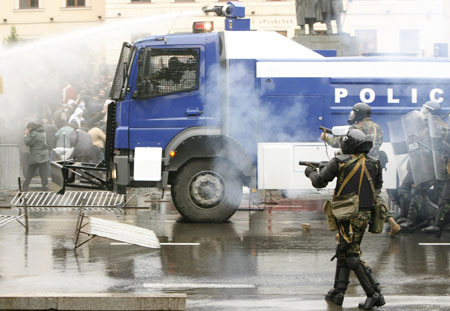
(74, 130)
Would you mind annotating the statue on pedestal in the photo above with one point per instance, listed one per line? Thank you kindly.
(331, 10)
(324, 11)
(308, 12)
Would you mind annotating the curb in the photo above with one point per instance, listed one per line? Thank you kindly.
(93, 301)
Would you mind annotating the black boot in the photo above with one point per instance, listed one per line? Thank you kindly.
(431, 229)
(400, 220)
(440, 221)
(336, 295)
(368, 282)
(408, 226)
(376, 300)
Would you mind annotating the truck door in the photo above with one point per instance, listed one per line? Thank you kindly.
(168, 97)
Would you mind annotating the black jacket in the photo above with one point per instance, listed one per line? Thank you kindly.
(82, 142)
(331, 170)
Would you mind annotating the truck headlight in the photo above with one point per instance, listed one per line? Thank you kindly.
(114, 173)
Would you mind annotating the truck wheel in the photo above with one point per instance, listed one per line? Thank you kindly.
(207, 190)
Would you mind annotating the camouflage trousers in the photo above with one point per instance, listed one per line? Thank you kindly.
(419, 208)
(445, 214)
(351, 233)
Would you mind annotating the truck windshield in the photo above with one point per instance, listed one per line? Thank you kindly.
(120, 82)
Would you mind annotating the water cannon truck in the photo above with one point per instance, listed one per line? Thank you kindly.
(209, 113)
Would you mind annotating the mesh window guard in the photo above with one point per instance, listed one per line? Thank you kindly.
(118, 85)
(172, 71)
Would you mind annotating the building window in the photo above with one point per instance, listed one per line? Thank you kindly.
(72, 3)
(409, 40)
(29, 4)
(367, 39)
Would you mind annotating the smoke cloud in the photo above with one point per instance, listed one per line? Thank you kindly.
(35, 73)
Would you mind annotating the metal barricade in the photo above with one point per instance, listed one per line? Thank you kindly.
(97, 199)
(9, 166)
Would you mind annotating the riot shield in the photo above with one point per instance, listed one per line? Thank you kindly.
(398, 139)
(398, 142)
(435, 126)
(419, 147)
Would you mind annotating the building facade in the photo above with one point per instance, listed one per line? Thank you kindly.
(382, 26)
(398, 26)
(35, 19)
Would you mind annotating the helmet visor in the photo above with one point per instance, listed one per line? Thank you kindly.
(351, 117)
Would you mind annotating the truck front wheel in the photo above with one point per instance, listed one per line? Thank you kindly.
(207, 190)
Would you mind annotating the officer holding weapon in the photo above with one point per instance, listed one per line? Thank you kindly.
(359, 118)
(360, 174)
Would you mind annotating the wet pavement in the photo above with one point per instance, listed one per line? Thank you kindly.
(261, 259)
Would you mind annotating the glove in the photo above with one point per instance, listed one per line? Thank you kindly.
(309, 170)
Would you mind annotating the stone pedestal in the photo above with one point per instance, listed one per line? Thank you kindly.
(344, 44)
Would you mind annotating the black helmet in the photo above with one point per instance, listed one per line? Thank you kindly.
(431, 107)
(355, 141)
(359, 112)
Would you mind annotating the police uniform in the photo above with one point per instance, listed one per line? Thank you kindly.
(413, 197)
(372, 130)
(352, 231)
(332, 170)
(375, 134)
(415, 209)
(442, 217)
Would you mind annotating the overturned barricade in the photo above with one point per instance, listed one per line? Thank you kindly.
(93, 227)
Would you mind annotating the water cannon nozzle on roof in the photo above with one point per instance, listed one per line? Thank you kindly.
(231, 10)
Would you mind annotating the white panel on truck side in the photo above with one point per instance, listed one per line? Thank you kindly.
(147, 163)
(265, 45)
(278, 166)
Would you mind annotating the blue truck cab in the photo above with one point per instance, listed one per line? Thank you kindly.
(209, 113)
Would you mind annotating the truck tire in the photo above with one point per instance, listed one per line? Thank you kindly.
(207, 190)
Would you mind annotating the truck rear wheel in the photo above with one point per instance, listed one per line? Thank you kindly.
(207, 190)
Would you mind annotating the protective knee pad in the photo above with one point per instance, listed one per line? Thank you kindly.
(353, 262)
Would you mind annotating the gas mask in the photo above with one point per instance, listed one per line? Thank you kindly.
(351, 117)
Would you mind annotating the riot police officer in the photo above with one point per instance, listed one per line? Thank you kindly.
(355, 145)
(428, 157)
(359, 118)
(442, 217)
